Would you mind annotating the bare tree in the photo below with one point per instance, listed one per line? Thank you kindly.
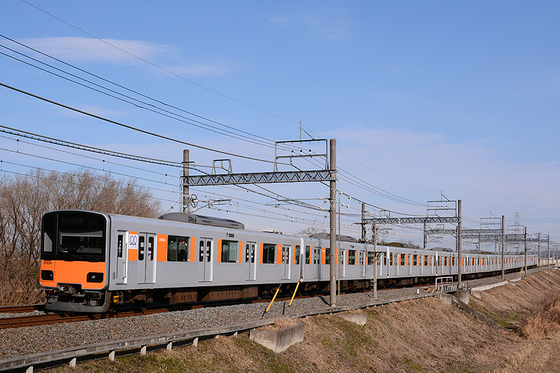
(24, 200)
(307, 232)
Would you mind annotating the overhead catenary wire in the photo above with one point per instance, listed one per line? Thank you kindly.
(375, 190)
(73, 145)
(395, 198)
(133, 176)
(149, 133)
(233, 129)
(151, 108)
(87, 157)
(273, 195)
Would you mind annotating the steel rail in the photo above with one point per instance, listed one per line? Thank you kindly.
(22, 309)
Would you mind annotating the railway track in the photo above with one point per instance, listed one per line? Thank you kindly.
(22, 309)
(55, 318)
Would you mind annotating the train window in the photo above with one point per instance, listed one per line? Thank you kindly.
(286, 254)
(230, 251)
(415, 260)
(269, 251)
(178, 249)
(307, 254)
(403, 259)
(391, 258)
(370, 257)
(141, 247)
(201, 251)
(150, 248)
(119, 246)
(351, 257)
(297, 254)
(315, 255)
(327, 256)
(208, 250)
(49, 233)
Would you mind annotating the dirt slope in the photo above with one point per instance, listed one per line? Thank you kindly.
(424, 335)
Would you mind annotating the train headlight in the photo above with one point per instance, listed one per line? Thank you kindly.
(47, 275)
(95, 277)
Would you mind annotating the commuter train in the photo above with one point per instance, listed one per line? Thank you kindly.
(94, 262)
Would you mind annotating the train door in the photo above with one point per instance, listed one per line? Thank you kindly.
(286, 261)
(389, 263)
(342, 263)
(122, 255)
(205, 257)
(147, 258)
(362, 262)
(317, 261)
(250, 254)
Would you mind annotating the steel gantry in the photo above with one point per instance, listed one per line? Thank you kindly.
(326, 174)
(443, 205)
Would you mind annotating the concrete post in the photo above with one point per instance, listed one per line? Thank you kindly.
(539, 266)
(333, 221)
(375, 261)
(186, 193)
(548, 251)
(525, 239)
(363, 222)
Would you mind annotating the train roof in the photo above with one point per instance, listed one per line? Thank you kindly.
(327, 236)
(202, 220)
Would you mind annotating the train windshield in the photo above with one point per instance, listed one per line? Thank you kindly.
(74, 236)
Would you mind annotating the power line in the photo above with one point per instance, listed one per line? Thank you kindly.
(118, 85)
(51, 140)
(153, 134)
(159, 67)
(151, 108)
(373, 189)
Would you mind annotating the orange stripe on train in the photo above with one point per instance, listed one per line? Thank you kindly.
(66, 272)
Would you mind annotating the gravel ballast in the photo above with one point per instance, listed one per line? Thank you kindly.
(31, 340)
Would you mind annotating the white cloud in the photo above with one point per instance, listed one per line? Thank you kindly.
(201, 69)
(480, 173)
(125, 52)
(76, 49)
(327, 23)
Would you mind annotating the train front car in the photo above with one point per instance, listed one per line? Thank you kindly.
(73, 261)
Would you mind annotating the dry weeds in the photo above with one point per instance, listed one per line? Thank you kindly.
(414, 336)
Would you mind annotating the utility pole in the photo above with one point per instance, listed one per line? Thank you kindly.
(186, 195)
(459, 256)
(333, 221)
(539, 266)
(525, 239)
(363, 222)
(375, 261)
(548, 254)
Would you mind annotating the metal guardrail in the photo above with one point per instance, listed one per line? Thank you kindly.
(445, 285)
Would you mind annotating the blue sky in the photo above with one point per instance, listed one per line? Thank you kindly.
(423, 98)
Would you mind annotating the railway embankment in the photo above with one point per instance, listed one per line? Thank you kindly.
(417, 335)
